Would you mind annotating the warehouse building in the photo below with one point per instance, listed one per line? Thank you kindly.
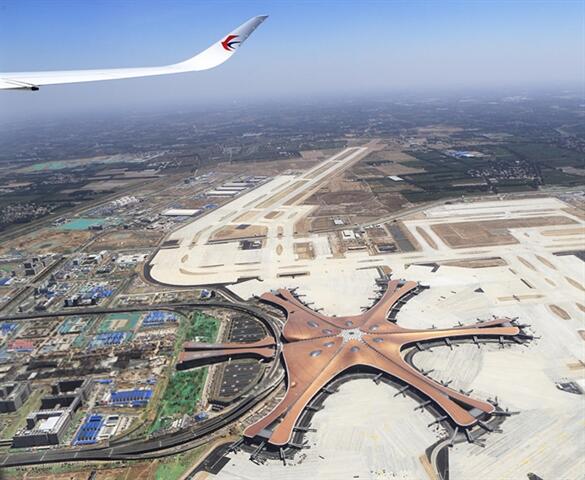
(130, 398)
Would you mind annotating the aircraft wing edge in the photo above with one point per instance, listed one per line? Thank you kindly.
(212, 57)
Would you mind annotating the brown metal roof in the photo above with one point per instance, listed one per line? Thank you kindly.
(264, 342)
(198, 353)
(320, 347)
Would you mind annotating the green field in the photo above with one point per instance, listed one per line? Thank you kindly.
(181, 396)
(184, 388)
(447, 177)
(545, 154)
(202, 327)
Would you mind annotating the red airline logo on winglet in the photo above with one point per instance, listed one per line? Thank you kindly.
(230, 43)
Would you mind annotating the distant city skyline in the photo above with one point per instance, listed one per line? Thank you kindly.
(304, 50)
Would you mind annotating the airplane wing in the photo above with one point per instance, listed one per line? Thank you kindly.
(215, 55)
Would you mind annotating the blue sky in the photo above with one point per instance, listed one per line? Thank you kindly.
(305, 49)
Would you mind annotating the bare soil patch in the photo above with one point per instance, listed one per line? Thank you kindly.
(304, 250)
(302, 227)
(273, 214)
(578, 212)
(236, 232)
(476, 262)
(559, 312)
(545, 262)
(575, 284)
(427, 238)
(527, 264)
(245, 217)
(49, 240)
(491, 232)
(565, 231)
(127, 240)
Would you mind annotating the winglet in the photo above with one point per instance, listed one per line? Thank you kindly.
(220, 51)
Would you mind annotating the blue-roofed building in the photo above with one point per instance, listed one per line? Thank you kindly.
(157, 318)
(88, 432)
(130, 398)
(6, 328)
(107, 339)
(104, 381)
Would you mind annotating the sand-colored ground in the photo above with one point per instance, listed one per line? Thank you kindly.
(559, 312)
(245, 217)
(563, 232)
(427, 238)
(527, 264)
(273, 214)
(48, 240)
(575, 283)
(545, 262)
(476, 262)
(304, 250)
(234, 232)
(126, 240)
(491, 232)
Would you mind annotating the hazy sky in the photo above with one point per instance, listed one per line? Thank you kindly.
(305, 48)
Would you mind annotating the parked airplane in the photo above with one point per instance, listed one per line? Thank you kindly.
(215, 55)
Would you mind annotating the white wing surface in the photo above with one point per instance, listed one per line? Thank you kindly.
(212, 57)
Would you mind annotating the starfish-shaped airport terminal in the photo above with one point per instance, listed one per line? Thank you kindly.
(320, 348)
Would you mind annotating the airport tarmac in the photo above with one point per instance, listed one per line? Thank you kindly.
(199, 260)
